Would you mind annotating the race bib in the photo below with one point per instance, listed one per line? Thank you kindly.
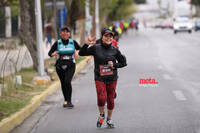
(66, 57)
(105, 70)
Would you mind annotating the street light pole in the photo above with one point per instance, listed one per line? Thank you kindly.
(88, 23)
(97, 19)
(39, 38)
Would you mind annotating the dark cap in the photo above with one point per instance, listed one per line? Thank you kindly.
(65, 28)
(106, 31)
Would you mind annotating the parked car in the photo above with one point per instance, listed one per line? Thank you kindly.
(182, 24)
(197, 25)
(167, 25)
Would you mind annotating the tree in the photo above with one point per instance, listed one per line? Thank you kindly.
(196, 3)
(5, 2)
(75, 11)
(13, 4)
(10, 6)
(106, 8)
(121, 10)
(140, 1)
(27, 31)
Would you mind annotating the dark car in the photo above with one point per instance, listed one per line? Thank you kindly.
(197, 25)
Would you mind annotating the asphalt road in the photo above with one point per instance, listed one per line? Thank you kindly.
(171, 106)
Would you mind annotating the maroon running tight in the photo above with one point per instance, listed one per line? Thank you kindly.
(105, 92)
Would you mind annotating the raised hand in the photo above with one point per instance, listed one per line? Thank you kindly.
(91, 40)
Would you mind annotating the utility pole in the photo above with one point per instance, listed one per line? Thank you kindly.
(88, 23)
(55, 19)
(41, 78)
(97, 19)
(87, 17)
(39, 38)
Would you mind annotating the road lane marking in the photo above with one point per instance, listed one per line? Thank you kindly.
(179, 95)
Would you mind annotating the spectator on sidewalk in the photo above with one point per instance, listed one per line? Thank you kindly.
(48, 34)
(107, 59)
(66, 49)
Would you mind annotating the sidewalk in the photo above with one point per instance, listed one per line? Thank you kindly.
(7, 124)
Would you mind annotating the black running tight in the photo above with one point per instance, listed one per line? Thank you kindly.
(65, 75)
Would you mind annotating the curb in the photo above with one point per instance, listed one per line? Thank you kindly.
(7, 124)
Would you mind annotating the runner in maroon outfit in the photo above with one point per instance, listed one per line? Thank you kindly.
(107, 59)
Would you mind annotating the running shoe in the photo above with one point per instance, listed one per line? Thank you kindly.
(110, 124)
(100, 121)
(68, 105)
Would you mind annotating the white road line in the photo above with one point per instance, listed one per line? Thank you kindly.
(179, 95)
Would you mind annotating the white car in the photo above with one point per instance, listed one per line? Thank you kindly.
(182, 24)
